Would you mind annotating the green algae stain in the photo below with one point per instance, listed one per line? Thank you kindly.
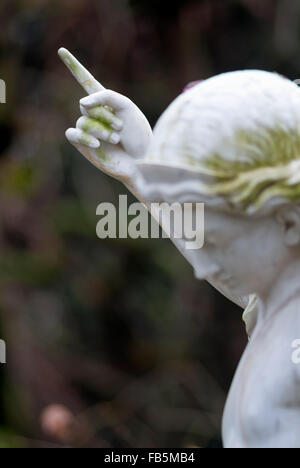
(92, 124)
(259, 170)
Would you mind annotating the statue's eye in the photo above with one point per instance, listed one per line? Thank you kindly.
(213, 239)
(209, 242)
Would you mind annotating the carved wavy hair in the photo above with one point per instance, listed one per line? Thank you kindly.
(269, 172)
(263, 173)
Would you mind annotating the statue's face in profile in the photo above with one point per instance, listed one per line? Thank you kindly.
(233, 142)
(242, 254)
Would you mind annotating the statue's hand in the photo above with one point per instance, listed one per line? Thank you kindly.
(112, 133)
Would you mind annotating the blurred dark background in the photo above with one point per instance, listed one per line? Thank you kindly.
(111, 343)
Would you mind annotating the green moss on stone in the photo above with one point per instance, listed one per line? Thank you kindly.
(260, 168)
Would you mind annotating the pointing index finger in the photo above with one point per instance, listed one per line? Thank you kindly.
(81, 74)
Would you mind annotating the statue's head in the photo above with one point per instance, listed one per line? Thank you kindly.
(233, 142)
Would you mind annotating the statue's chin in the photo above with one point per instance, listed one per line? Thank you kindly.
(231, 294)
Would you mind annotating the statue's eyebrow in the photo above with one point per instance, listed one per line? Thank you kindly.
(211, 234)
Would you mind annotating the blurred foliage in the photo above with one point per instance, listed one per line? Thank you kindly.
(111, 343)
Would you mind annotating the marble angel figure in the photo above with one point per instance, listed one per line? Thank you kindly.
(233, 143)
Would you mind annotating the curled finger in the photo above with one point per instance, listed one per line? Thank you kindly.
(76, 136)
(104, 115)
(98, 130)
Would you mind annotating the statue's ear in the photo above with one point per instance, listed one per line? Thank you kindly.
(289, 218)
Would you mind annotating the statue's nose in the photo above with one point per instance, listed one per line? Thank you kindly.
(204, 269)
(204, 266)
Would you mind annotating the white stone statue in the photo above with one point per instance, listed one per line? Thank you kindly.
(232, 142)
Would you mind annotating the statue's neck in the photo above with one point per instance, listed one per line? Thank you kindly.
(285, 289)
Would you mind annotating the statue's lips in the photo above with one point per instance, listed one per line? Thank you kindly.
(225, 279)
